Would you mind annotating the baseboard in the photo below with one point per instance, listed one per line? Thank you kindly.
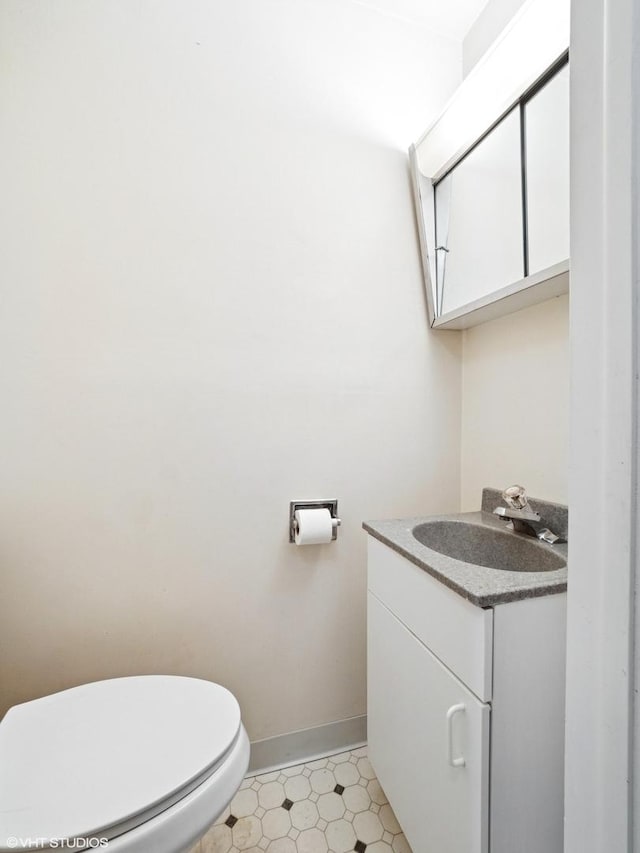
(307, 745)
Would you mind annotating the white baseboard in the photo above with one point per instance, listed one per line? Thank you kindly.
(307, 745)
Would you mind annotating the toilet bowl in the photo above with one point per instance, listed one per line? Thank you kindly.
(144, 763)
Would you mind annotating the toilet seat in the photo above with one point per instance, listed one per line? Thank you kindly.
(96, 761)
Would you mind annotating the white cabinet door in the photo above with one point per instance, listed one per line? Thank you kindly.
(457, 632)
(547, 156)
(421, 722)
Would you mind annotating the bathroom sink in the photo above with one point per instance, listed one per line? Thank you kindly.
(487, 546)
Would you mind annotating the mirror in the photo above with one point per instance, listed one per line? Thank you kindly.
(547, 160)
(479, 220)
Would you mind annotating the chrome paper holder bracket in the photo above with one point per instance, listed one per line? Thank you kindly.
(332, 506)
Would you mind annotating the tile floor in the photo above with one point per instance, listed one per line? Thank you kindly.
(333, 805)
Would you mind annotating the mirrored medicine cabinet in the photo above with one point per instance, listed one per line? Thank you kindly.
(494, 220)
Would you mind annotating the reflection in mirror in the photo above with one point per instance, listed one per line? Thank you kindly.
(547, 161)
(443, 215)
(479, 220)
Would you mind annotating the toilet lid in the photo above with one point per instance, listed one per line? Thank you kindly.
(95, 760)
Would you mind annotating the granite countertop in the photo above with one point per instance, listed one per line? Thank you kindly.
(480, 585)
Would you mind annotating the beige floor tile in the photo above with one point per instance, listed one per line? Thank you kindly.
(331, 805)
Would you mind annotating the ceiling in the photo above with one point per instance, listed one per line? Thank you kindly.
(449, 17)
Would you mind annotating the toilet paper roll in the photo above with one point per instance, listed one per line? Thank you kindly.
(313, 526)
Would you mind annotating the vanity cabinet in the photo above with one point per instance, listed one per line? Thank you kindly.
(417, 733)
(465, 712)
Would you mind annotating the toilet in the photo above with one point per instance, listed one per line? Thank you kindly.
(128, 765)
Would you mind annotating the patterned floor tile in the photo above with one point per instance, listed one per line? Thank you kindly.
(333, 805)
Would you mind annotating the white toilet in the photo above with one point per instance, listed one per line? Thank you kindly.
(146, 763)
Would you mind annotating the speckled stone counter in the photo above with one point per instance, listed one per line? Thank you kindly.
(480, 585)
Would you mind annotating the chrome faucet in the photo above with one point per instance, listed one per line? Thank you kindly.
(522, 518)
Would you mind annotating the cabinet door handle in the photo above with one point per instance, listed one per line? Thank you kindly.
(453, 710)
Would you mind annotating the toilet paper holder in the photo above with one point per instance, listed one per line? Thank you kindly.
(332, 506)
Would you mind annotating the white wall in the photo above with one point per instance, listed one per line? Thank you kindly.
(212, 304)
(515, 403)
(485, 30)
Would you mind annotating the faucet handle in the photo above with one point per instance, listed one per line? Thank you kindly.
(516, 497)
